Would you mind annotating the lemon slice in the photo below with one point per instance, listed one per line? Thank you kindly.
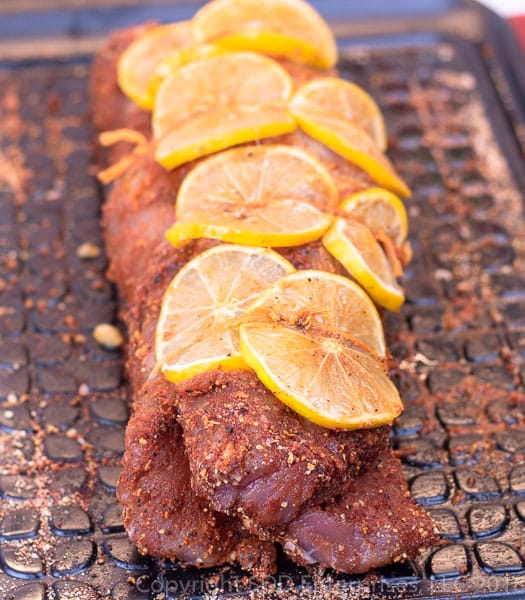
(331, 380)
(344, 101)
(256, 195)
(381, 211)
(177, 59)
(346, 138)
(218, 102)
(199, 319)
(312, 299)
(268, 226)
(355, 247)
(138, 62)
(290, 28)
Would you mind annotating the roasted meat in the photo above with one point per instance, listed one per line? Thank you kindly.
(241, 441)
(217, 468)
(136, 216)
(248, 454)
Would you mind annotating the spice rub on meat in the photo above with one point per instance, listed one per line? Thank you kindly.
(280, 462)
(162, 514)
(272, 486)
(136, 216)
(218, 469)
(109, 107)
(373, 522)
(251, 455)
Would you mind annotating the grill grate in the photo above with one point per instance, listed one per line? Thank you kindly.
(62, 403)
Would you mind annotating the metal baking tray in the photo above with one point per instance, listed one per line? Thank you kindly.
(450, 80)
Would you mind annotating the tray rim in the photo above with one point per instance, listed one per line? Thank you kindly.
(472, 46)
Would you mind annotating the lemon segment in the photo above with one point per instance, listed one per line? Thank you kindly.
(254, 175)
(354, 246)
(198, 324)
(201, 108)
(317, 300)
(138, 62)
(329, 380)
(289, 28)
(380, 210)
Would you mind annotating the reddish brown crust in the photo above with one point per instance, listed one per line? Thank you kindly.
(139, 210)
(237, 411)
(157, 472)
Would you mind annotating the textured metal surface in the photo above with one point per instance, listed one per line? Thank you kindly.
(62, 403)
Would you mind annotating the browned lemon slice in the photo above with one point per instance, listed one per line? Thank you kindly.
(331, 380)
(381, 211)
(348, 137)
(345, 101)
(178, 58)
(316, 299)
